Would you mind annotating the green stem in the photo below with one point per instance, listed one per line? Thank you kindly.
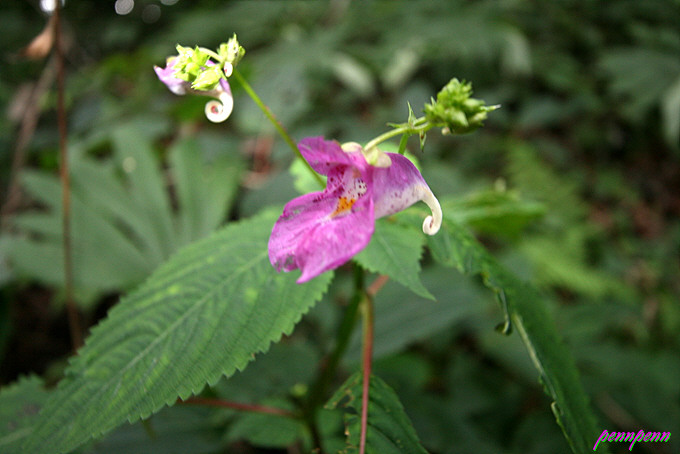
(345, 330)
(420, 125)
(329, 366)
(279, 128)
(367, 360)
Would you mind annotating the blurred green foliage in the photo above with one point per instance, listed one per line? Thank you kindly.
(574, 184)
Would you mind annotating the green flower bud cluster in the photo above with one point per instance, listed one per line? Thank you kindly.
(455, 110)
(231, 52)
(204, 68)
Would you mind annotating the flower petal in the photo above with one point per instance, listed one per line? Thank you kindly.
(167, 76)
(399, 186)
(320, 231)
(224, 85)
(323, 155)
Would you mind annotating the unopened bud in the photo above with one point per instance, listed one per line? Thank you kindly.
(455, 110)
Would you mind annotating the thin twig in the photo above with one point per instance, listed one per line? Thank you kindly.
(240, 406)
(367, 359)
(71, 309)
(30, 109)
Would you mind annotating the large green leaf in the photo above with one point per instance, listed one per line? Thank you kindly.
(203, 314)
(389, 430)
(455, 247)
(134, 154)
(395, 250)
(19, 407)
(204, 189)
(118, 233)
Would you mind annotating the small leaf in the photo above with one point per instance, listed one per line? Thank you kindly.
(389, 429)
(203, 314)
(395, 250)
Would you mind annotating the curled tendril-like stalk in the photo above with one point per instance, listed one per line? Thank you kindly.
(433, 223)
(219, 110)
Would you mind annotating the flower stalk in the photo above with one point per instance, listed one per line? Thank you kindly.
(421, 125)
(276, 123)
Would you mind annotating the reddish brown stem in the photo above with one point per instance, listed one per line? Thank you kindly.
(377, 284)
(71, 309)
(29, 120)
(239, 406)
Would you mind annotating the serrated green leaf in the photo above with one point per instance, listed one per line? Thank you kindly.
(203, 314)
(205, 191)
(119, 264)
(19, 406)
(395, 250)
(105, 192)
(389, 430)
(117, 235)
(556, 367)
(43, 187)
(274, 373)
(133, 152)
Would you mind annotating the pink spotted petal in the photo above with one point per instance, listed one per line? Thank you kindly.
(397, 187)
(323, 155)
(307, 237)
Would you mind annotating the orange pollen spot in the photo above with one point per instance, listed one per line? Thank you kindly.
(344, 204)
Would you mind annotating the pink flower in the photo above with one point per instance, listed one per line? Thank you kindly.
(216, 111)
(320, 231)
